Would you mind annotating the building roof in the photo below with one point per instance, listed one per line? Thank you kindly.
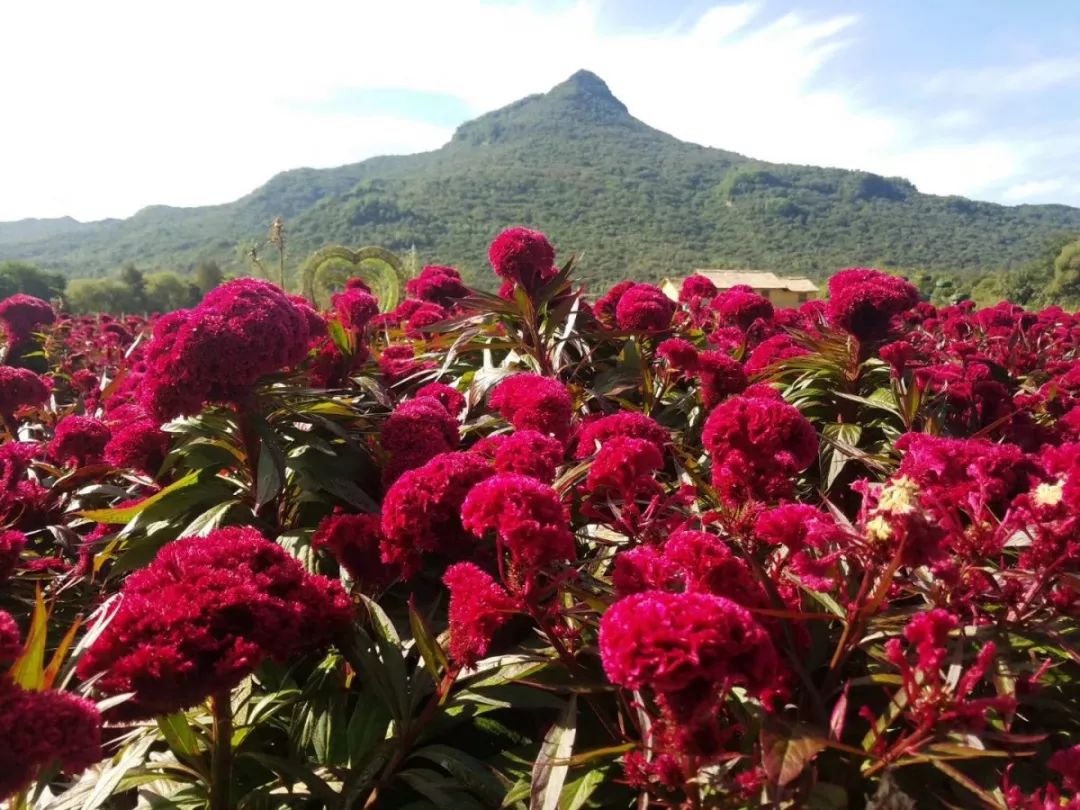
(757, 279)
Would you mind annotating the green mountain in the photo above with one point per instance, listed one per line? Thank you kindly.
(634, 201)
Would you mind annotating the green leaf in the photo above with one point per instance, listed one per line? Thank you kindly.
(271, 467)
(785, 753)
(476, 776)
(28, 671)
(577, 792)
(119, 517)
(549, 772)
(430, 650)
(209, 520)
(178, 733)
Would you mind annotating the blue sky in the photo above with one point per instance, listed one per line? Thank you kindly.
(201, 104)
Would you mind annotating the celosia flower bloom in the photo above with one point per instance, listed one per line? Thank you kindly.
(79, 440)
(20, 388)
(529, 452)
(21, 315)
(696, 286)
(669, 641)
(478, 608)
(720, 376)
(355, 307)
(605, 306)
(217, 352)
(526, 516)
(10, 638)
(680, 354)
(740, 306)
(864, 301)
(421, 512)
(623, 469)
(532, 402)
(41, 728)
(439, 285)
(355, 542)
(138, 444)
(631, 424)
(417, 430)
(523, 256)
(203, 615)
(12, 543)
(448, 396)
(772, 351)
(644, 308)
(757, 446)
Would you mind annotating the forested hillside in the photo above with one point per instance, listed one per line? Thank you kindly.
(576, 164)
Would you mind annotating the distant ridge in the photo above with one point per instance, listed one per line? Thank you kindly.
(574, 162)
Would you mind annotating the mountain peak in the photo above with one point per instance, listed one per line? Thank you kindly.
(582, 100)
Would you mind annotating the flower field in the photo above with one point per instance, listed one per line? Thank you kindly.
(537, 549)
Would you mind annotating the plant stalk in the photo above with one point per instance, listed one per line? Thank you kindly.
(221, 755)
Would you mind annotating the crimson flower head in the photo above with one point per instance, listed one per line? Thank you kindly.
(720, 376)
(771, 351)
(740, 306)
(670, 641)
(448, 396)
(21, 388)
(681, 355)
(355, 307)
(524, 257)
(218, 351)
(605, 306)
(38, 729)
(630, 424)
(623, 468)
(644, 308)
(10, 638)
(415, 432)
(439, 285)
(354, 541)
(478, 608)
(203, 615)
(79, 440)
(526, 452)
(421, 512)
(21, 315)
(696, 286)
(138, 444)
(532, 402)
(757, 446)
(526, 516)
(863, 301)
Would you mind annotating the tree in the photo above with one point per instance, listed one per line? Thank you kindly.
(208, 275)
(133, 278)
(91, 295)
(1064, 288)
(23, 277)
(166, 291)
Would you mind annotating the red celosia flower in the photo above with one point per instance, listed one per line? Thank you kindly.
(524, 257)
(21, 315)
(720, 377)
(355, 307)
(605, 306)
(439, 285)
(772, 351)
(526, 516)
(415, 432)
(624, 423)
(1067, 763)
(217, 352)
(448, 396)
(740, 306)
(478, 608)
(623, 469)
(864, 301)
(41, 728)
(138, 444)
(422, 509)
(427, 314)
(79, 440)
(529, 452)
(696, 286)
(398, 362)
(204, 614)
(680, 354)
(757, 445)
(20, 388)
(644, 308)
(355, 542)
(797, 526)
(12, 543)
(10, 638)
(532, 402)
(669, 641)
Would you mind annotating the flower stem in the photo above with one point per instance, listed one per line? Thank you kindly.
(221, 756)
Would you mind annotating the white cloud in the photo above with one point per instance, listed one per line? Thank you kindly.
(1001, 80)
(118, 104)
(1034, 190)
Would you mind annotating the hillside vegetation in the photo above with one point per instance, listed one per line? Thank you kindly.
(575, 163)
